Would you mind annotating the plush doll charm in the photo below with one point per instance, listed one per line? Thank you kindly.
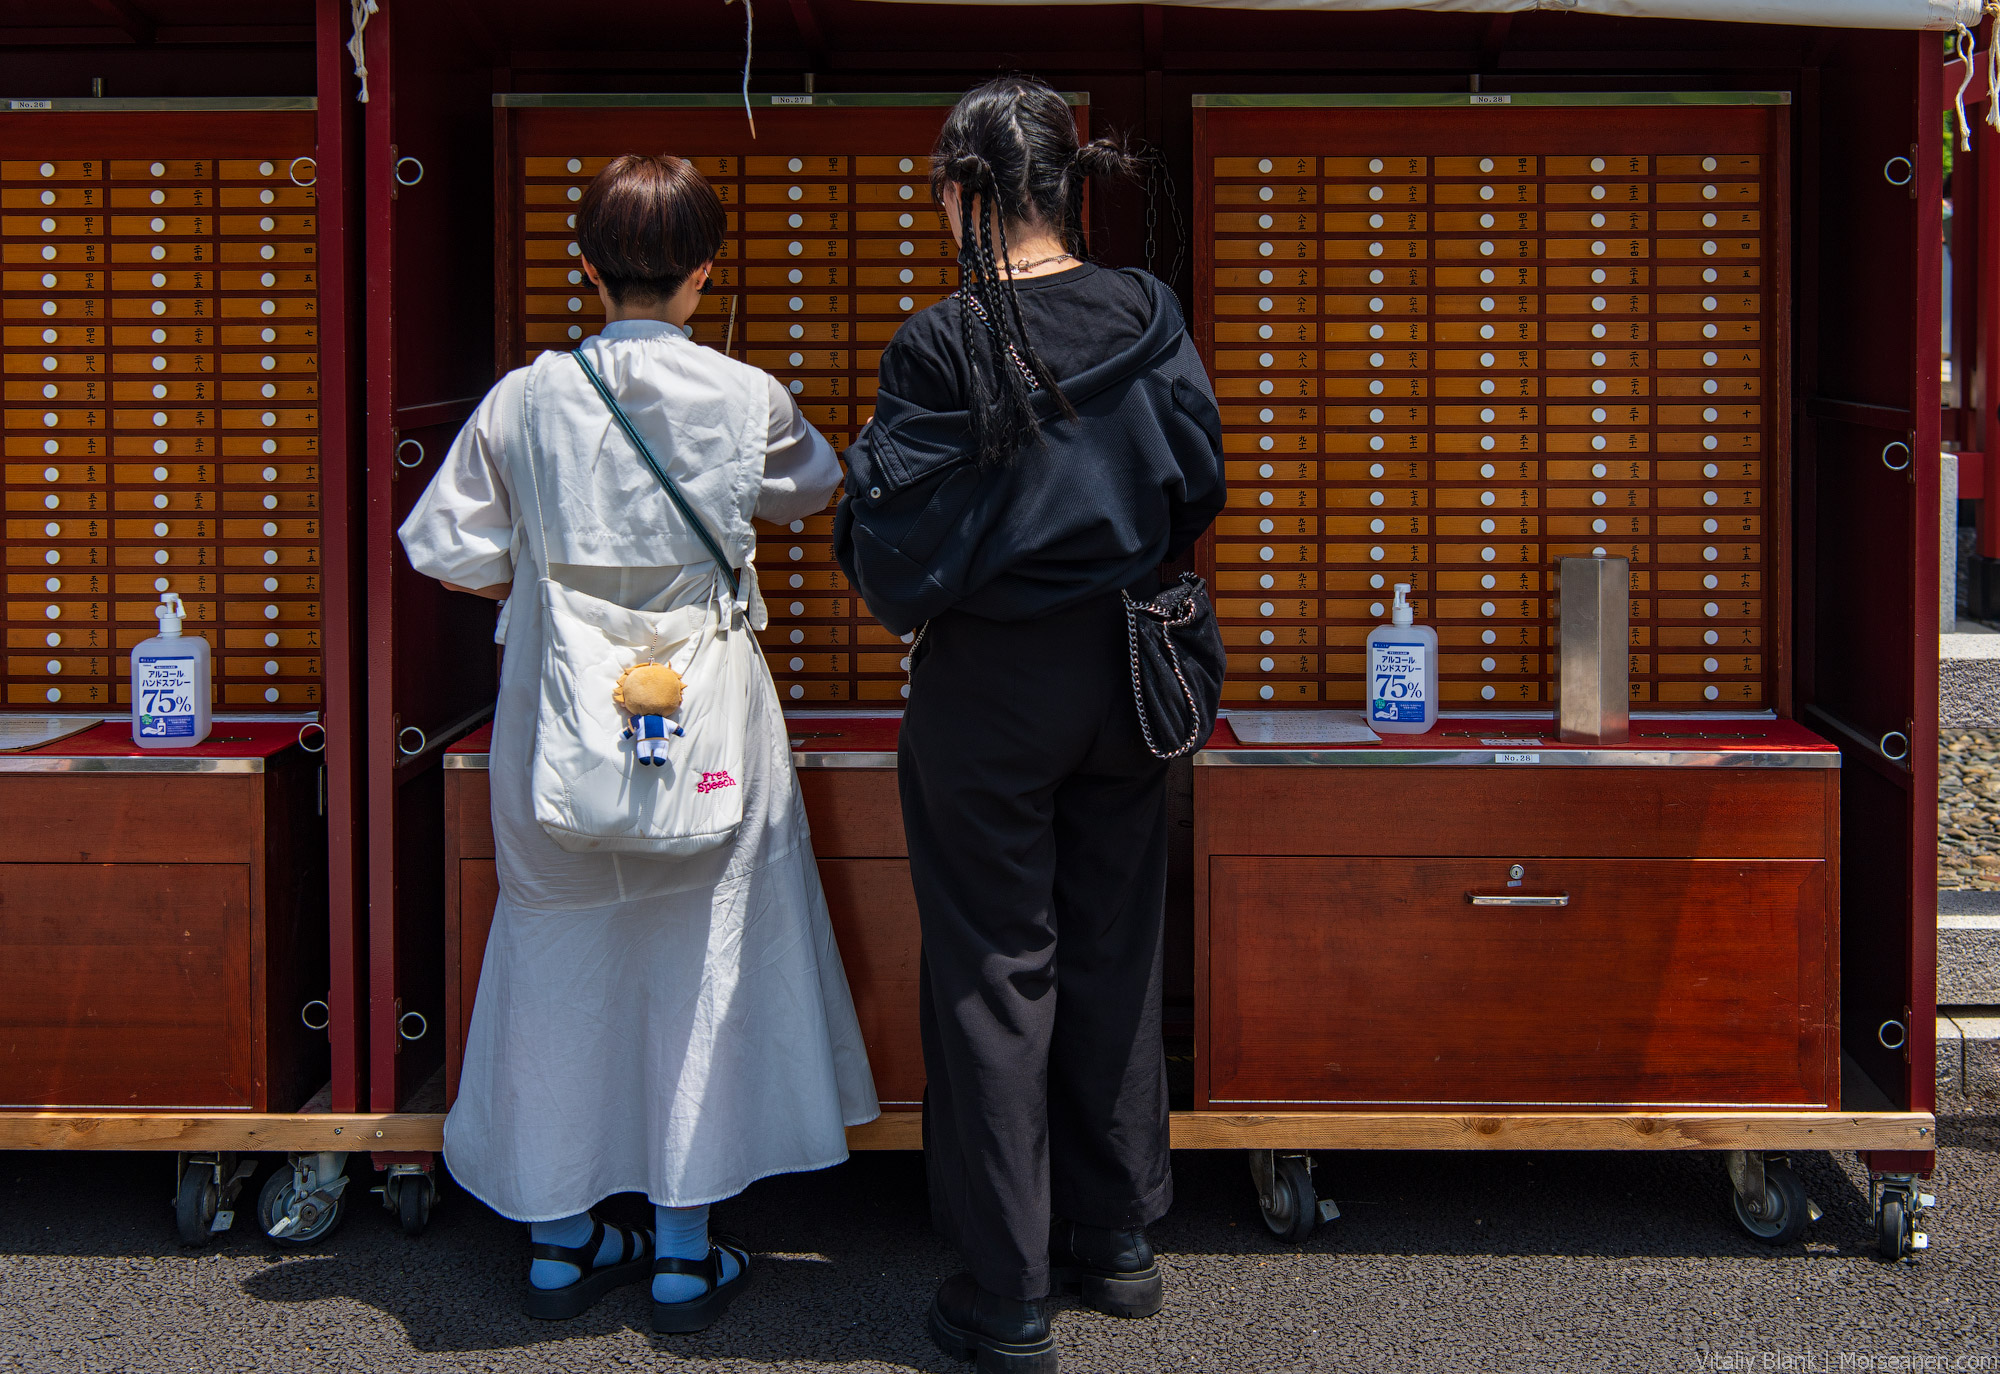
(649, 693)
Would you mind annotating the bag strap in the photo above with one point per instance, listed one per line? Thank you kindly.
(1027, 373)
(1133, 610)
(653, 466)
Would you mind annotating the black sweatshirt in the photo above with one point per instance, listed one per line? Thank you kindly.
(1129, 484)
(1074, 318)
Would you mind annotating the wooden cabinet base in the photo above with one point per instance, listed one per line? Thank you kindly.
(1504, 1131)
(242, 1131)
(163, 924)
(1191, 1131)
(1425, 927)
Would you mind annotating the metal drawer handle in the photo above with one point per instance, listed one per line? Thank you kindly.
(293, 171)
(403, 1025)
(1897, 752)
(325, 1015)
(311, 749)
(411, 749)
(402, 180)
(1889, 176)
(410, 443)
(1892, 1035)
(1561, 899)
(1895, 444)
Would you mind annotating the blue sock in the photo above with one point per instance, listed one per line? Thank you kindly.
(682, 1233)
(571, 1231)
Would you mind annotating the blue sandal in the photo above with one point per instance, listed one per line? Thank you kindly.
(635, 1244)
(696, 1314)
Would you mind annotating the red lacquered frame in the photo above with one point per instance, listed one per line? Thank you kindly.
(297, 51)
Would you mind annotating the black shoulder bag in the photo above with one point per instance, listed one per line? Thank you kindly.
(1175, 644)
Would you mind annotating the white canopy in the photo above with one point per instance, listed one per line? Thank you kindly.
(1846, 14)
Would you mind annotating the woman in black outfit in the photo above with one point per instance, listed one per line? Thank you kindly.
(1043, 440)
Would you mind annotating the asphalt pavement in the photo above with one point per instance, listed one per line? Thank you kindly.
(1442, 1262)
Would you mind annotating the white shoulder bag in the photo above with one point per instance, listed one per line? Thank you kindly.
(590, 793)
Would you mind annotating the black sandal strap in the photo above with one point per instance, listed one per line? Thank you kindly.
(582, 1258)
(638, 1240)
(633, 1243)
(708, 1268)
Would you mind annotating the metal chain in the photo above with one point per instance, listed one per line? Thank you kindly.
(1132, 612)
(1179, 226)
(1158, 181)
(1152, 212)
(1173, 655)
(1027, 373)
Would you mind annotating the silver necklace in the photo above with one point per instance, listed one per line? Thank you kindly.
(1016, 268)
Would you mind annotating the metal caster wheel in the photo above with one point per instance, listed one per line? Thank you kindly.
(1785, 1209)
(407, 1192)
(302, 1203)
(1892, 1229)
(196, 1204)
(208, 1187)
(1898, 1206)
(413, 1203)
(1285, 1195)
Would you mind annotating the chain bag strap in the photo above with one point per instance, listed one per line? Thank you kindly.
(1020, 364)
(1177, 666)
(666, 483)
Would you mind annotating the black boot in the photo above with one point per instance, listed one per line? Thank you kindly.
(1002, 1335)
(1114, 1270)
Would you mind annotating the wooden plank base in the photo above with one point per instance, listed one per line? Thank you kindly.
(1191, 1131)
(242, 1131)
(1504, 1131)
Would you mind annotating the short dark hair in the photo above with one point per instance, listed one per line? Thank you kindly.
(646, 222)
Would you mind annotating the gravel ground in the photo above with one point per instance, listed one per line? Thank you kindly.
(1969, 809)
(1444, 1262)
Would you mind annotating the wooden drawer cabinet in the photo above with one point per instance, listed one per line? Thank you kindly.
(857, 825)
(163, 923)
(1428, 925)
(1362, 981)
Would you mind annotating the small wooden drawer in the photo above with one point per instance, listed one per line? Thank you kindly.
(1526, 811)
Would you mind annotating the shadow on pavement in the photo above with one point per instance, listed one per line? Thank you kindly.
(847, 1260)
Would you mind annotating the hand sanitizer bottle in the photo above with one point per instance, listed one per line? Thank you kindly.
(1402, 672)
(170, 683)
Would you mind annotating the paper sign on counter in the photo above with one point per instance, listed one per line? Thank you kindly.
(1302, 727)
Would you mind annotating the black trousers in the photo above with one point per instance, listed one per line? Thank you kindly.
(1037, 829)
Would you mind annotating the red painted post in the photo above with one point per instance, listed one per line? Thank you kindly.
(1981, 397)
(378, 201)
(337, 156)
(1927, 328)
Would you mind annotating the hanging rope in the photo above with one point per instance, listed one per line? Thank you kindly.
(1992, 68)
(1963, 41)
(361, 11)
(749, 24)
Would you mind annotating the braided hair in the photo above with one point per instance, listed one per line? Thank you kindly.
(1010, 146)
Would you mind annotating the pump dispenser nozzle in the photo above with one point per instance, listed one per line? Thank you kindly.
(171, 612)
(1400, 612)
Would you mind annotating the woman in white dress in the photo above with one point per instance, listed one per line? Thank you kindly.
(679, 1027)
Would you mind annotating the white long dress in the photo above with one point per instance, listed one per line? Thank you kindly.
(677, 1027)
